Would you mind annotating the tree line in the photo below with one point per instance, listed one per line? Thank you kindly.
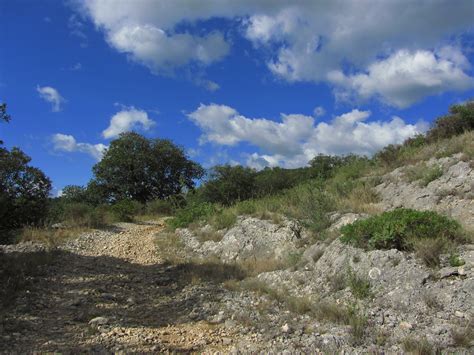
(138, 172)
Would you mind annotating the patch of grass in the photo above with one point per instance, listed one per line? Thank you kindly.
(48, 236)
(224, 219)
(255, 266)
(418, 346)
(170, 247)
(360, 286)
(398, 229)
(429, 250)
(337, 282)
(431, 301)
(197, 271)
(463, 336)
(204, 235)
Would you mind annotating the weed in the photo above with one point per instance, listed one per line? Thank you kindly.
(455, 260)
(223, 220)
(431, 301)
(429, 250)
(337, 282)
(48, 236)
(418, 346)
(462, 336)
(360, 286)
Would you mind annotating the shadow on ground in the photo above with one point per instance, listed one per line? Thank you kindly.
(52, 309)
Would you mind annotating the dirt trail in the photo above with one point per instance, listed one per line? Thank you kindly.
(110, 291)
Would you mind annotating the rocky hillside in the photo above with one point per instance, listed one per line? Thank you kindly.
(258, 286)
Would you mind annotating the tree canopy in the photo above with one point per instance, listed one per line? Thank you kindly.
(24, 190)
(137, 168)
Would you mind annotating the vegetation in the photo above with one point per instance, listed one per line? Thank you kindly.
(141, 169)
(398, 229)
(24, 192)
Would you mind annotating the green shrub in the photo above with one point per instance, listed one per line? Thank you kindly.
(191, 213)
(431, 174)
(245, 207)
(224, 219)
(398, 229)
(455, 260)
(160, 208)
(125, 210)
(459, 120)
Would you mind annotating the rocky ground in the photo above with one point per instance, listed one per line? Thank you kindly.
(259, 287)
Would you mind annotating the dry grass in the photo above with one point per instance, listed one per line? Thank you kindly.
(463, 336)
(429, 250)
(48, 236)
(361, 199)
(431, 301)
(170, 248)
(418, 346)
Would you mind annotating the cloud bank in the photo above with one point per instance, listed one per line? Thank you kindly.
(298, 138)
(360, 42)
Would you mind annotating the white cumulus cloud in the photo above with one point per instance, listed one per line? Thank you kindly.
(297, 138)
(406, 77)
(303, 40)
(52, 96)
(67, 143)
(126, 120)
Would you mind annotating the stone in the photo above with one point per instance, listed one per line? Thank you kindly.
(99, 321)
(406, 325)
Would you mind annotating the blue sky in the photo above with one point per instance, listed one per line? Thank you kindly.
(258, 83)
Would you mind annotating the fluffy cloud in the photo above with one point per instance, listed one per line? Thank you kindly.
(127, 120)
(304, 39)
(406, 77)
(297, 138)
(67, 143)
(223, 125)
(52, 96)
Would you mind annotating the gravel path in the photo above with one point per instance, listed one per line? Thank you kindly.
(109, 291)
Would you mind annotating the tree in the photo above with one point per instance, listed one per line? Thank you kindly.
(4, 116)
(228, 184)
(142, 169)
(24, 190)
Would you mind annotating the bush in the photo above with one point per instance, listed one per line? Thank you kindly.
(398, 229)
(191, 213)
(224, 219)
(160, 208)
(84, 215)
(459, 120)
(125, 210)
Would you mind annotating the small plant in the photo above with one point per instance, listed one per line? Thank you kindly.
(455, 260)
(337, 282)
(418, 346)
(125, 210)
(398, 229)
(192, 213)
(358, 324)
(462, 336)
(223, 220)
(429, 250)
(431, 174)
(360, 286)
(431, 301)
